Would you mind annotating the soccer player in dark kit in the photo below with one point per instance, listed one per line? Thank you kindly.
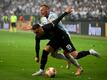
(59, 39)
(48, 16)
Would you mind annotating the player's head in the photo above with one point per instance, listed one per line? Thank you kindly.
(44, 10)
(37, 29)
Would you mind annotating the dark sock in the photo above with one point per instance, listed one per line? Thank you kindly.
(82, 54)
(44, 59)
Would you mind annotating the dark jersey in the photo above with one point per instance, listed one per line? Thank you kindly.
(50, 29)
(44, 36)
(60, 38)
(53, 27)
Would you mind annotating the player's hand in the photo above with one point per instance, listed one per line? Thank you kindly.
(37, 59)
(68, 9)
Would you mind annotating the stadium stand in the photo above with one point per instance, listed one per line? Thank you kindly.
(85, 11)
(82, 8)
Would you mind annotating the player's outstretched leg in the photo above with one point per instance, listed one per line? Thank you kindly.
(75, 62)
(94, 53)
(82, 54)
(61, 56)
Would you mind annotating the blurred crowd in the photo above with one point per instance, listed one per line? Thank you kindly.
(83, 9)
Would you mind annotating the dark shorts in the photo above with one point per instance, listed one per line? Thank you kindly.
(62, 42)
(13, 24)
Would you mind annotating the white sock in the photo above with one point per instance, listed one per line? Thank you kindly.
(41, 70)
(59, 56)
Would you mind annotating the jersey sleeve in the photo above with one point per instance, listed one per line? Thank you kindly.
(51, 25)
(52, 17)
(56, 21)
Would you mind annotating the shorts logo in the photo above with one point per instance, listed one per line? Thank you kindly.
(69, 47)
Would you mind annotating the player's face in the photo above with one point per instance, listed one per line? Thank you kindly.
(44, 10)
(39, 31)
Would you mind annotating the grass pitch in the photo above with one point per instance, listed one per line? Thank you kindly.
(17, 58)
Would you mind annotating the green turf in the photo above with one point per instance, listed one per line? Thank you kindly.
(17, 58)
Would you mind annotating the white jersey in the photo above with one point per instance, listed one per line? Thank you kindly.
(52, 16)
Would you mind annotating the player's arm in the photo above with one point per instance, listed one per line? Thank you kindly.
(67, 11)
(37, 48)
(56, 21)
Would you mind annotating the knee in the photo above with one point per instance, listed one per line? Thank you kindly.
(74, 54)
(48, 48)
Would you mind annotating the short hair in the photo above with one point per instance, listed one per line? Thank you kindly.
(45, 5)
(35, 26)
